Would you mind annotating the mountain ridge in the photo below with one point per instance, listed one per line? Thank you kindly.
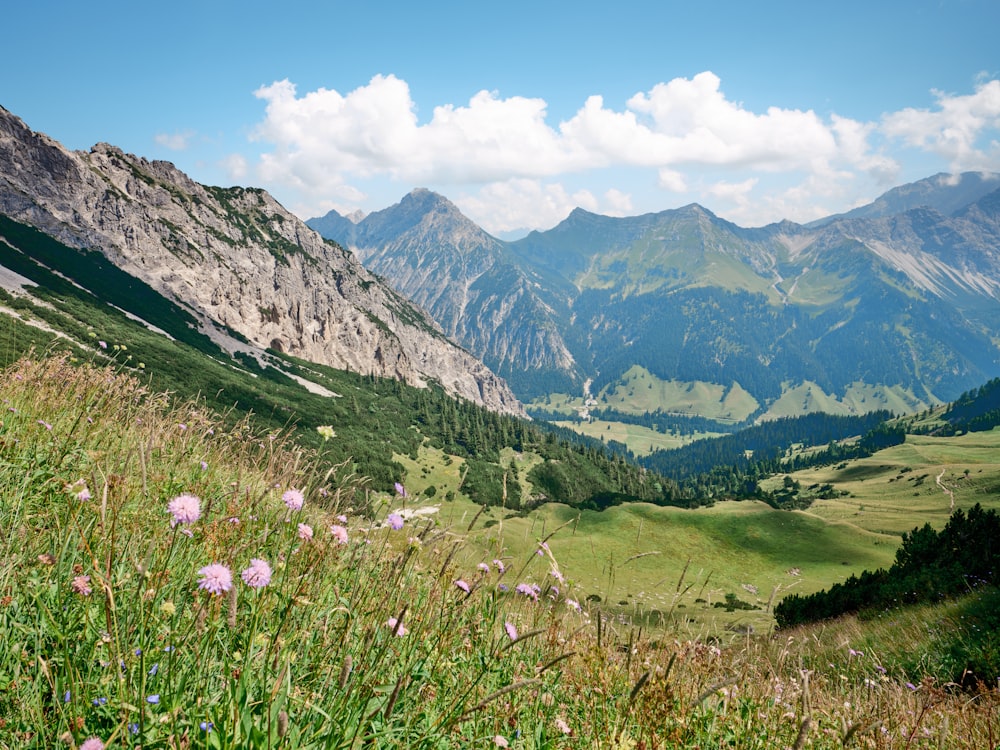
(234, 257)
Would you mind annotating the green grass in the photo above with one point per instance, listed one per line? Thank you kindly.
(111, 637)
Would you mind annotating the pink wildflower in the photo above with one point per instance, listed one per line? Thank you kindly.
(396, 626)
(400, 490)
(215, 578)
(81, 585)
(500, 741)
(184, 509)
(395, 521)
(500, 566)
(527, 590)
(103, 344)
(511, 630)
(462, 585)
(83, 495)
(293, 498)
(305, 532)
(339, 533)
(562, 726)
(92, 743)
(257, 575)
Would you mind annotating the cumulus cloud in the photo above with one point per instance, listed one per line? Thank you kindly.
(954, 129)
(325, 144)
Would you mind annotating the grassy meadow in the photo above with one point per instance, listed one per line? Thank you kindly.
(171, 578)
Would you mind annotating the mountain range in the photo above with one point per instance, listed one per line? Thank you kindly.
(895, 304)
(248, 272)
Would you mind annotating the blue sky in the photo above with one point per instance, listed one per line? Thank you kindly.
(520, 111)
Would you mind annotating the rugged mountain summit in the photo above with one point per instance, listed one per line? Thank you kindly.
(462, 276)
(235, 258)
(902, 297)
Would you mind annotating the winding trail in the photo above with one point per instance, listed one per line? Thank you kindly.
(948, 492)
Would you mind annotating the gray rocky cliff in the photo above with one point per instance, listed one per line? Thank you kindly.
(234, 256)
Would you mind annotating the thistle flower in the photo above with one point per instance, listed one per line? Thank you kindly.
(395, 521)
(81, 585)
(185, 509)
(305, 532)
(293, 498)
(339, 533)
(92, 743)
(215, 578)
(257, 575)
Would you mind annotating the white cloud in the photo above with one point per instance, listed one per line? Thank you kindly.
(328, 146)
(955, 129)
(175, 141)
(235, 167)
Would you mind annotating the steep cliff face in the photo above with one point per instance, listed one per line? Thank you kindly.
(233, 256)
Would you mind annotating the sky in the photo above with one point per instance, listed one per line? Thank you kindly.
(519, 112)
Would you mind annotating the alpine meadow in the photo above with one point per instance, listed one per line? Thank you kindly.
(388, 480)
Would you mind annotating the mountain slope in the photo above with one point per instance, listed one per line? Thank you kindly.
(234, 257)
(462, 276)
(902, 298)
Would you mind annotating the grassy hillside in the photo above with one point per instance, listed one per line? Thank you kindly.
(170, 579)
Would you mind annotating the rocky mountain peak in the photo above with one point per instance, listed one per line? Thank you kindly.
(236, 258)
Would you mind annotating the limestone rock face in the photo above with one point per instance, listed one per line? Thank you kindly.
(236, 257)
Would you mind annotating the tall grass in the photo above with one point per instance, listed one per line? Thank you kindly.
(120, 627)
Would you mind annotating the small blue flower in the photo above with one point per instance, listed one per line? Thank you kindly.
(133, 728)
(99, 701)
(154, 699)
(154, 670)
(66, 696)
(206, 726)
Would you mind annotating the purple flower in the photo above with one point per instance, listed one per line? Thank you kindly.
(293, 498)
(484, 567)
(395, 521)
(154, 699)
(400, 490)
(99, 701)
(524, 588)
(81, 585)
(500, 566)
(511, 630)
(339, 533)
(215, 578)
(911, 686)
(206, 726)
(184, 509)
(83, 495)
(204, 466)
(396, 626)
(92, 743)
(462, 585)
(257, 575)
(305, 532)
(44, 424)
(103, 344)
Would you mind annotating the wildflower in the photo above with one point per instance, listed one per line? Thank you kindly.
(462, 585)
(67, 696)
(182, 427)
(184, 509)
(511, 630)
(103, 344)
(305, 532)
(573, 604)
(92, 743)
(81, 585)
(527, 590)
(44, 424)
(502, 588)
(215, 578)
(562, 726)
(99, 701)
(339, 533)
(204, 466)
(47, 559)
(395, 521)
(153, 699)
(342, 518)
(400, 490)
(257, 575)
(911, 686)
(483, 567)
(500, 741)
(500, 566)
(206, 726)
(293, 498)
(133, 728)
(396, 626)
(83, 495)
(155, 668)
(326, 432)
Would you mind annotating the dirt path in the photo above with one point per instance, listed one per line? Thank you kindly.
(948, 492)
